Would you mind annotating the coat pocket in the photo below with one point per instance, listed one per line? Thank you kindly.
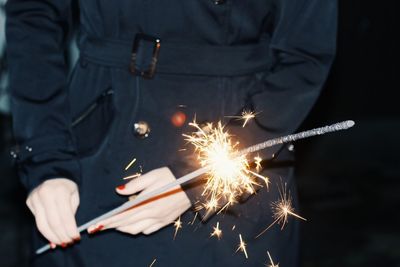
(91, 126)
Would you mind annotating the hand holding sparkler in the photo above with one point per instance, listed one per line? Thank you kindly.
(54, 204)
(152, 215)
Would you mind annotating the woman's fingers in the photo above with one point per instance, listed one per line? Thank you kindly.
(53, 204)
(122, 219)
(153, 228)
(67, 216)
(41, 221)
(74, 202)
(163, 209)
(137, 184)
(53, 216)
(138, 227)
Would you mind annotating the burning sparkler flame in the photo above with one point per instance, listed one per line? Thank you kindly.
(229, 175)
(282, 209)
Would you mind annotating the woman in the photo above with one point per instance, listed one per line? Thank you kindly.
(144, 68)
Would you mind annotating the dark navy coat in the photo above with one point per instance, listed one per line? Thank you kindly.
(209, 58)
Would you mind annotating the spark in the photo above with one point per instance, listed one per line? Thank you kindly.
(229, 175)
(153, 262)
(194, 218)
(271, 261)
(178, 225)
(246, 116)
(130, 164)
(281, 210)
(132, 176)
(257, 161)
(264, 178)
(233, 227)
(242, 246)
(217, 231)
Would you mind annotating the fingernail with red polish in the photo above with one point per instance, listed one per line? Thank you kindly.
(52, 245)
(121, 187)
(63, 245)
(97, 229)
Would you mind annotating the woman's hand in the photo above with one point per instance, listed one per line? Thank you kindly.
(54, 204)
(153, 215)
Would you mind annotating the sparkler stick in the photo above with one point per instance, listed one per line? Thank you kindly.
(191, 176)
(302, 135)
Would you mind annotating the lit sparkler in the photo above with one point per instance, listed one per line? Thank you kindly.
(229, 175)
(282, 209)
(217, 232)
(193, 175)
(178, 225)
(271, 261)
(242, 246)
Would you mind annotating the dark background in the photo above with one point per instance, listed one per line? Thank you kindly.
(349, 182)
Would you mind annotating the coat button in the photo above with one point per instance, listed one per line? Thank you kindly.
(219, 2)
(141, 129)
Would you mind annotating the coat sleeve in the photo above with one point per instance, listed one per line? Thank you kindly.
(36, 34)
(302, 50)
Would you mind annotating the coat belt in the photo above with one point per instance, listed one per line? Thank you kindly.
(178, 57)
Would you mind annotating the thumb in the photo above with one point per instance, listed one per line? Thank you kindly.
(136, 185)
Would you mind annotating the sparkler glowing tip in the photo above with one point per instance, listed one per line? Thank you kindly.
(242, 246)
(229, 174)
(178, 225)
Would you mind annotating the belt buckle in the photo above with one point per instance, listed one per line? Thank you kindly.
(149, 73)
